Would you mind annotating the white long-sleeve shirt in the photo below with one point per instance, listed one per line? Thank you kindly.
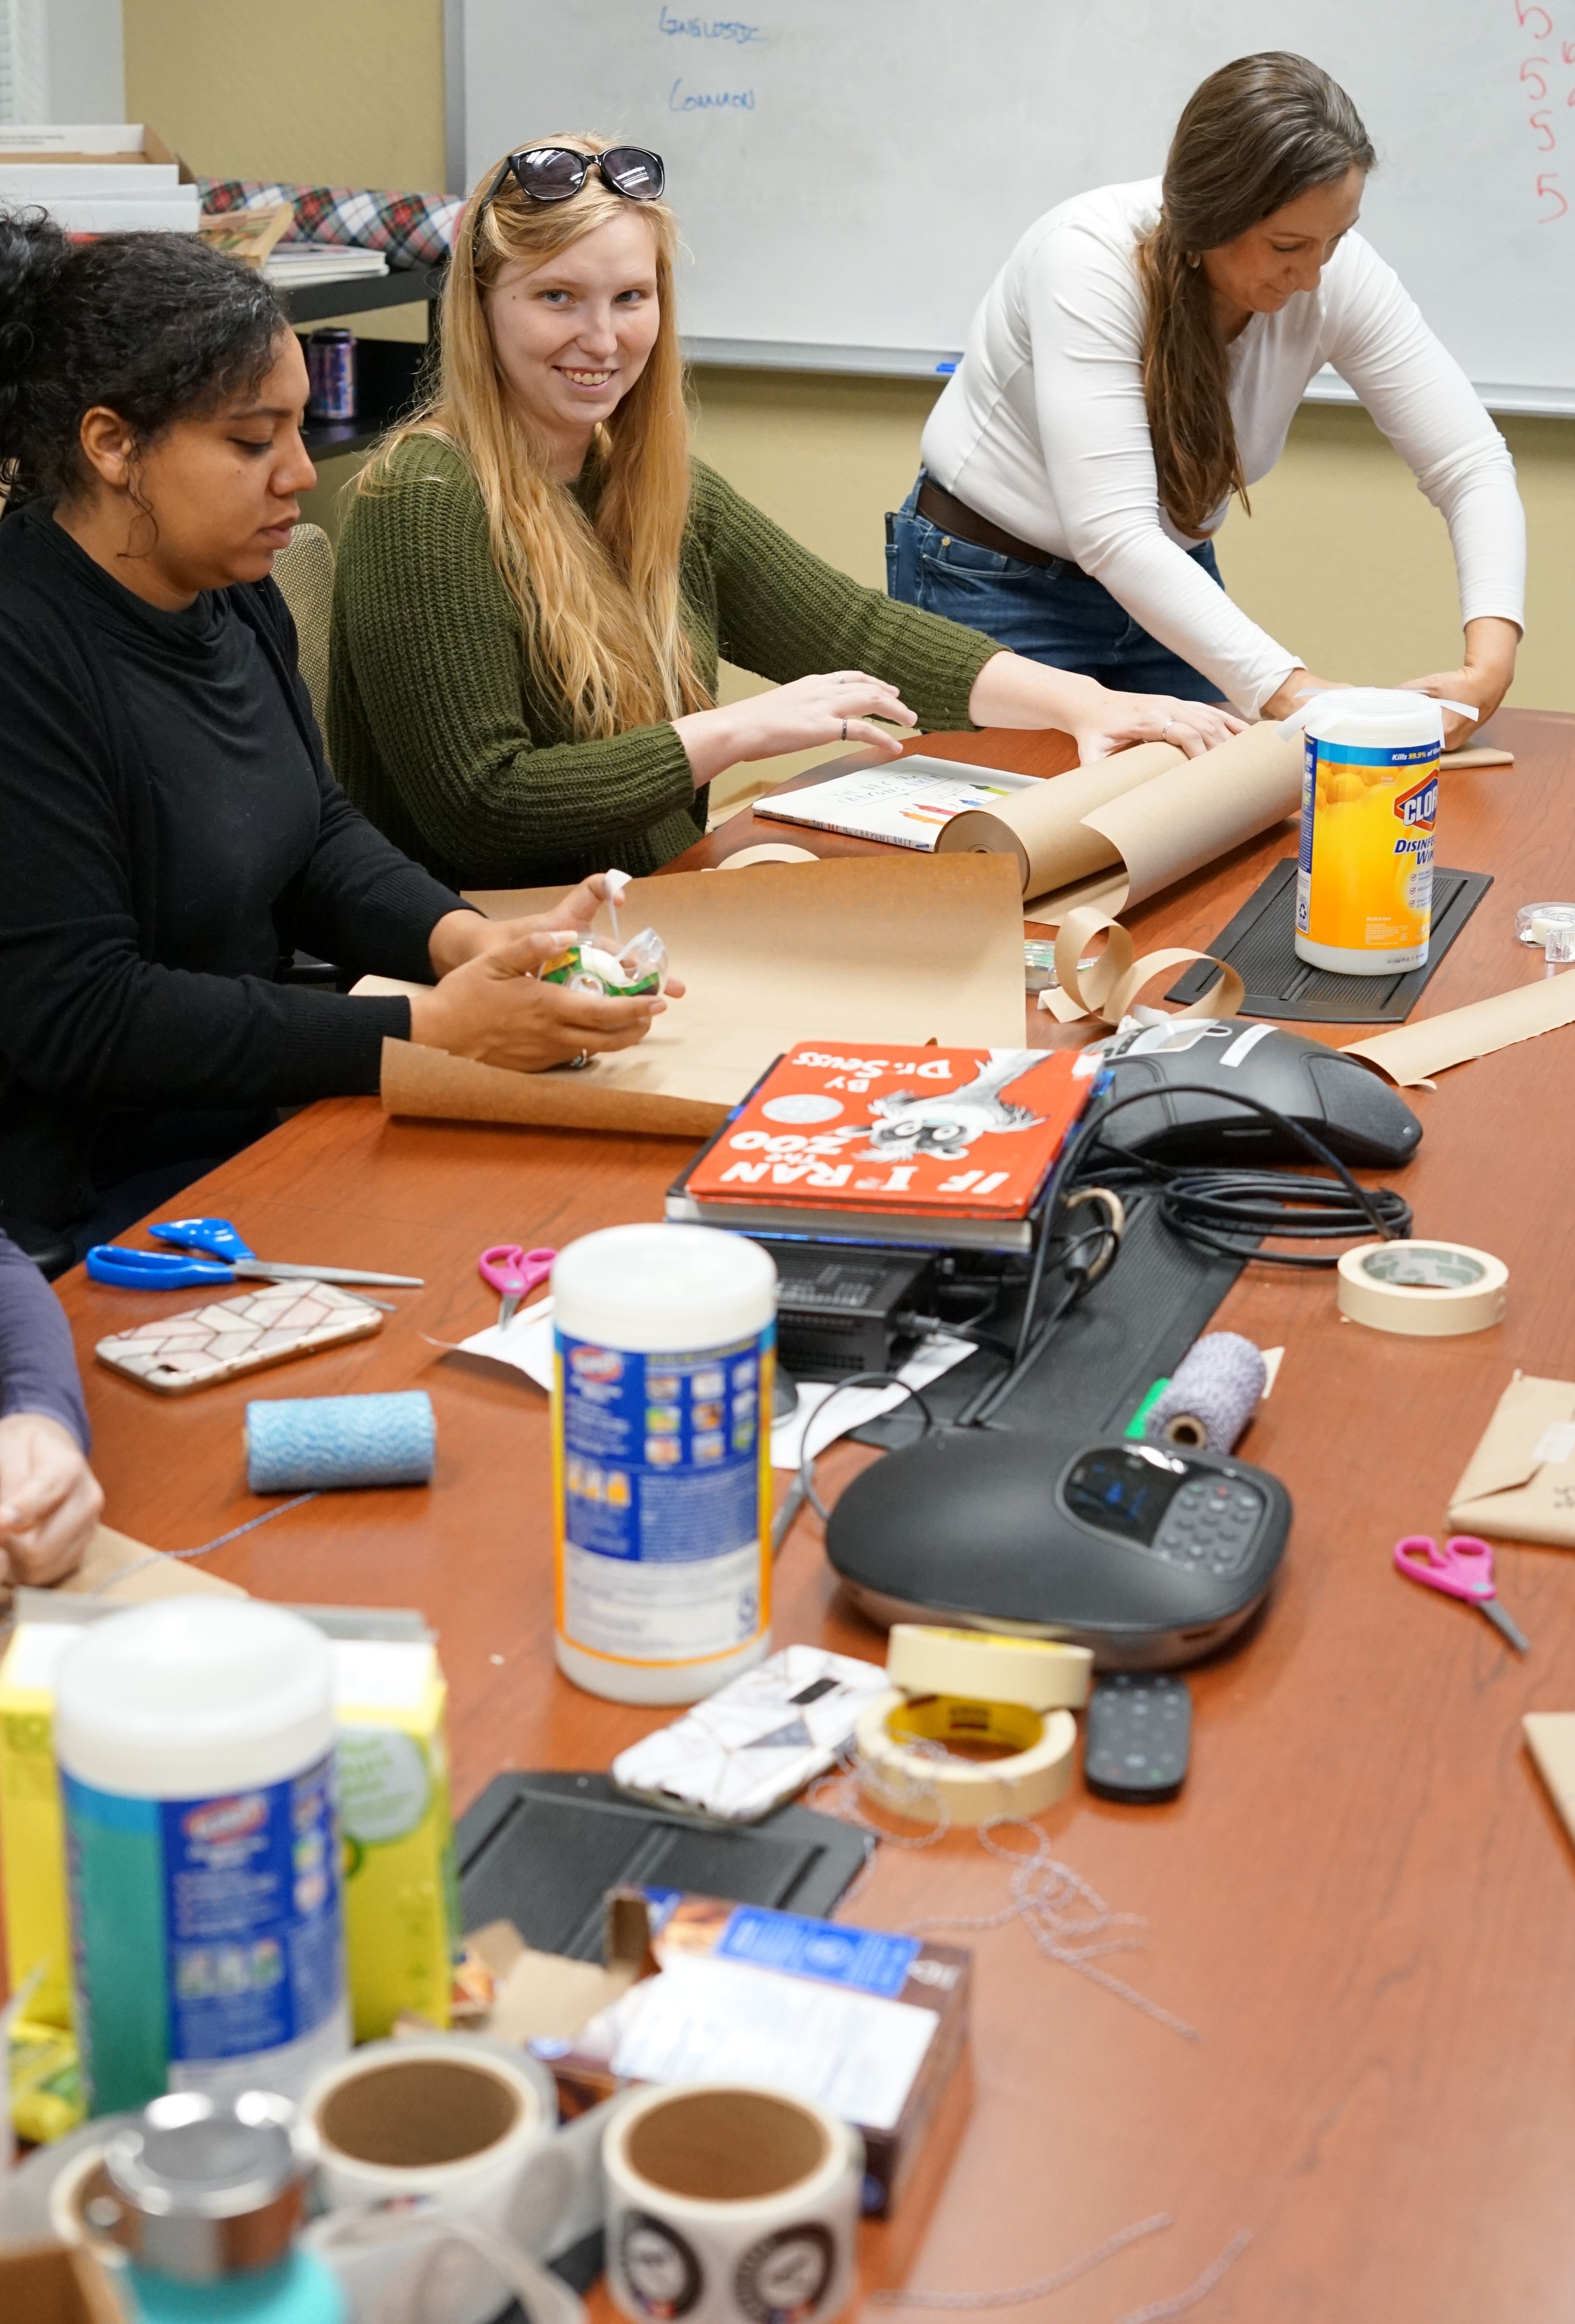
(1044, 429)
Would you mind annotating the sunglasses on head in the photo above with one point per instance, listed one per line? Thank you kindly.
(555, 173)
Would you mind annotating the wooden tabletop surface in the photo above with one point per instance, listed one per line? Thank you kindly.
(1361, 1902)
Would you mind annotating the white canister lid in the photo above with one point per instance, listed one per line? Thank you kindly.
(1375, 717)
(192, 1697)
(663, 1289)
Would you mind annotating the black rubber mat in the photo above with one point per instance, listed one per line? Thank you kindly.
(1133, 1328)
(1259, 945)
(542, 1851)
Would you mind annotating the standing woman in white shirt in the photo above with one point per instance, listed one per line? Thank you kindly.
(1138, 360)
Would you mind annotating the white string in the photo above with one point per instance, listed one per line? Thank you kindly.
(162, 1557)
(1181, 2300)
(1069, 1921)
(1040, 2289)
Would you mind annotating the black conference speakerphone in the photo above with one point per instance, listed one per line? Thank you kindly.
(1149, 1556)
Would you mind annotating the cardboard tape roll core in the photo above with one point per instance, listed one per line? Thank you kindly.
(897, 1769)
(1425, 1290)
(1039, 1673)
(1110, 987)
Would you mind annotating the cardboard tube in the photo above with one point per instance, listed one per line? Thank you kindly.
(730, 2205)
(452, 2120)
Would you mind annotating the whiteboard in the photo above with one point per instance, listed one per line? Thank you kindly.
(850, 174)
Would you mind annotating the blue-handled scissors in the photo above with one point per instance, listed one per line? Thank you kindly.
(216, 1255)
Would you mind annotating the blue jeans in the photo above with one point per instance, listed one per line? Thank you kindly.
(1051, 613)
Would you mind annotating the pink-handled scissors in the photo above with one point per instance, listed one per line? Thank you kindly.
(515, 1273)
(1463, 1568)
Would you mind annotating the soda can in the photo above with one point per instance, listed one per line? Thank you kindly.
(331, 374)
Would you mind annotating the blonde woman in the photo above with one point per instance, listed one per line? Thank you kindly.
(1138, 360)
(536, 581)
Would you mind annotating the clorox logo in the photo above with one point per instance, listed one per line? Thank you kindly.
(221, 1820)
(1419, 805)
(597, 1364)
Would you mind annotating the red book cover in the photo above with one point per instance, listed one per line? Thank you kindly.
(969, 1132)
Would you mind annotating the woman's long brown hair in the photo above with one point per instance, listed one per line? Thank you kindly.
(599, 603)
(1255, 135)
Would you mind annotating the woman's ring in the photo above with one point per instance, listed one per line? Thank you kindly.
(845, 730)
(578, 1065)
(1165, 728)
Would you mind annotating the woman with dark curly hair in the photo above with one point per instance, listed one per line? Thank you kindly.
(173, 832)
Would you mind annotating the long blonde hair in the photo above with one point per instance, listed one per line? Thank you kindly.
(598, 601)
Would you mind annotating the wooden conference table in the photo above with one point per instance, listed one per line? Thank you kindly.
(1362, 1900)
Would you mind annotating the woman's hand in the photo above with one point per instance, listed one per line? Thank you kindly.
(50, 1500)
(1483, 682)
(1010, 690)
(1297, 692)
(1119, 719)
(459, 936)
(496, 1010)
(836, 708)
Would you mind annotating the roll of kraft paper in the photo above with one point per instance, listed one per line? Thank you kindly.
(900, 1768)
(728, 2205)
(1425, 1290)
(1142, 819)
(1038, 1673)
(301, 1445)
(1212, 1395)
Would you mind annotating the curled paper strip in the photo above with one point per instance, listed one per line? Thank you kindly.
(1108, 988)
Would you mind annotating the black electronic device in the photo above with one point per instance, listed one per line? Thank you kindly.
(1146, 1554)
(1137, 1736)
(1342, 1104)
(841, 1310)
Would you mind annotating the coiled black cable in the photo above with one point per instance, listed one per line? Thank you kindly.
(1219, 1208)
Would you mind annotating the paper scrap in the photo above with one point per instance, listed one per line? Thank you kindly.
(526, 1342)
(908, 949)
(934, 1356)
(1412, 1053)
(1550, 1736)
(1555, 1445)
(855, 2053)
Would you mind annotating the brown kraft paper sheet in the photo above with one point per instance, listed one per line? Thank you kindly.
(892, 951)
(1414, 1053)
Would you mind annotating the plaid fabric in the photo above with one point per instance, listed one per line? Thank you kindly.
(412, 229)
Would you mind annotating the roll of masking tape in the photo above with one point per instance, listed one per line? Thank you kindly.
(907, 1757)
(987, 1667)
(1426, 1290)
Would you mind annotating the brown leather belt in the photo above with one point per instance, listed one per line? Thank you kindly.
(955, 516)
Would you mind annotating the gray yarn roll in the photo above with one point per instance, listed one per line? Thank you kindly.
(298, 1445)
(1211, 1394)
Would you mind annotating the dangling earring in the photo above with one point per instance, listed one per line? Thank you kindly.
(1193, 258)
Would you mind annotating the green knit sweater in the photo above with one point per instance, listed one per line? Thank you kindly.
(444, 737)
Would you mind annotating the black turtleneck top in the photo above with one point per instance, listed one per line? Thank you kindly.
(170, 835)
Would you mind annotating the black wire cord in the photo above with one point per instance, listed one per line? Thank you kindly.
(1202, 1205)
(1209, 1206)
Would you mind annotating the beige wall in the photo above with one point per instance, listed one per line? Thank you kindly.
(1341, 557)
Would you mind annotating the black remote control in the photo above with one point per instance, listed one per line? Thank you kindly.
(1139, 1732)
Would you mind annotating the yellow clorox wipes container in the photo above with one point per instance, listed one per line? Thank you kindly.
(1369, 802)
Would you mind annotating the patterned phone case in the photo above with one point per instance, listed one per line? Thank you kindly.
(177, 1353)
